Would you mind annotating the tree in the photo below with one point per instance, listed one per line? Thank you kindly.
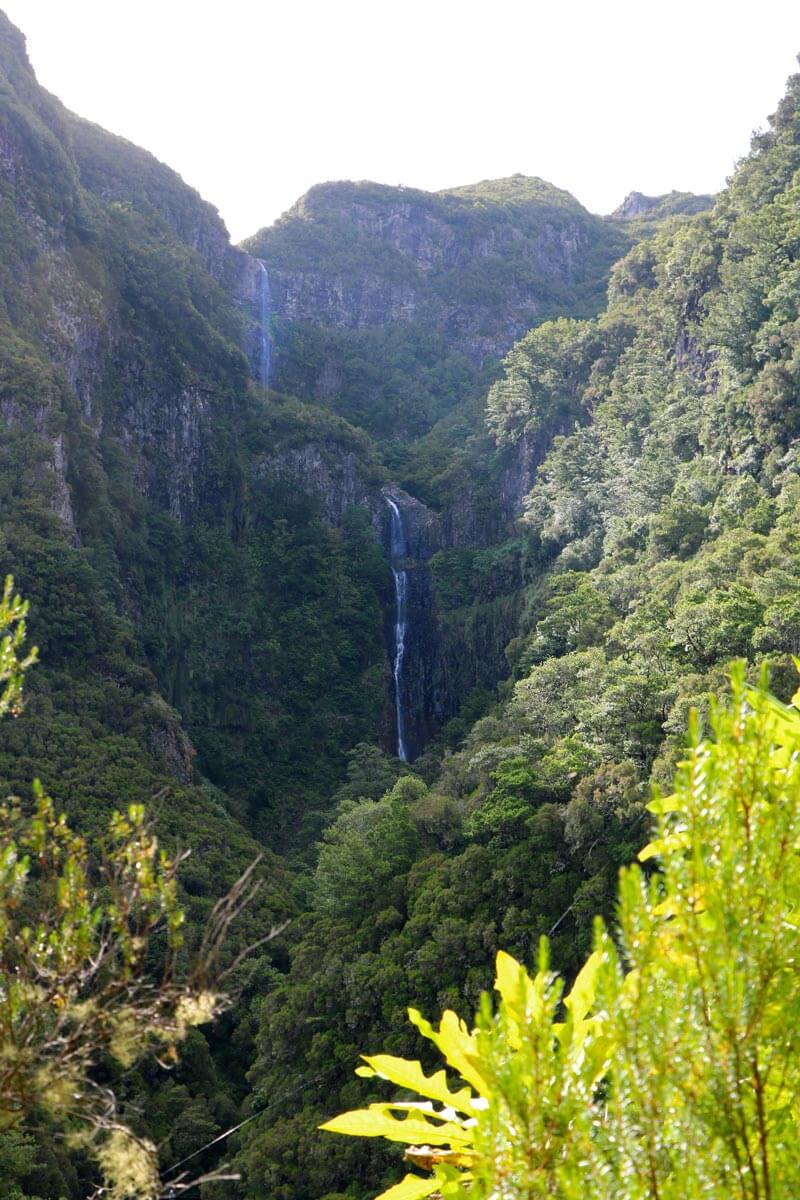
(366, 848)
(672, 1069)
(90, 939)
(13, 661)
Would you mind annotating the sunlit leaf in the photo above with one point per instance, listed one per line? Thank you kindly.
(584, 990)
(666, 845)
(456, 1043)
(408, 1074)
(377, 1121)
(412, 1187)
(665, 804)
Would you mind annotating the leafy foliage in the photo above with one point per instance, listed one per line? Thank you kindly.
(673, 1071)
(72, 978)
(77, 977)
(14, 661)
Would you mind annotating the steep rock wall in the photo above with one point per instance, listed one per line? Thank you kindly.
(380, 290)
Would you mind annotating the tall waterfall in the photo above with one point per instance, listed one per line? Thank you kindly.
(264, 331)
(397, 551)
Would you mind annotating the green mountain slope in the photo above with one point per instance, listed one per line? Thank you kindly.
(138, 469)
(392, 306)
(660, 540)
(186, 600)
(646, 209)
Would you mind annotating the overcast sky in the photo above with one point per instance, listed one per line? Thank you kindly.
(253, 101)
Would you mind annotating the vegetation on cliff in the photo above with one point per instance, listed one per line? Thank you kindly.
(395, 305)
(658, 542)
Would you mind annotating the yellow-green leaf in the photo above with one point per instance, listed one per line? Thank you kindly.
(412, 1187)
(455, 1042)
(514, 983)
(408, 1074)
(665, 845)
(785, 720)
(665, 804)
(454, 1187)
(584, 990)
(522, 996)
(377, 1121)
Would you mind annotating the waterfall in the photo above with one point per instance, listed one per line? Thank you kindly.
(264, 331)
(397, 551)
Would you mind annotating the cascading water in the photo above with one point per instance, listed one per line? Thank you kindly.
(264, 332)
(397, 552)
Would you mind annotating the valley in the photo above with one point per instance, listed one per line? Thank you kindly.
(394, 545)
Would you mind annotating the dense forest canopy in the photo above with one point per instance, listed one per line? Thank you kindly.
(589, 427)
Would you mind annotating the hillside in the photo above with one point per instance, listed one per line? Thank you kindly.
(203, 558)
(638, 207)
(393, 307)
(167, 566)
(658, 541)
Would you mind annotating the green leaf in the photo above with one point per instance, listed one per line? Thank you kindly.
(408, 1074)
(664, 846)
(785, 720)
(665, 804)
(412, 1187)
(584, 990)
(512, 981)
(377, 1121)
(455, 1042)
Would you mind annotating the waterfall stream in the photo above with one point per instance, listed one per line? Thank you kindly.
(397, 551)
(264, 331)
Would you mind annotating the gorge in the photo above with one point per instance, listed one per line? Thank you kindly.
(394, 546)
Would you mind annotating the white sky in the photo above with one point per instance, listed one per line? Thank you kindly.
(253, 101)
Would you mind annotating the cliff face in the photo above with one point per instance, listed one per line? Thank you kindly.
(381, 293)
(118, 172)
(393, 307)
(69, 262)
(152, 493)
(406, 255)
(331, 473)
(122, 283)
(456, 645)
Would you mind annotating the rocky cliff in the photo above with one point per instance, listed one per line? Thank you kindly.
(91, 227)
(393, 307)
(387, 300)
(168, 520)
(361, 256)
